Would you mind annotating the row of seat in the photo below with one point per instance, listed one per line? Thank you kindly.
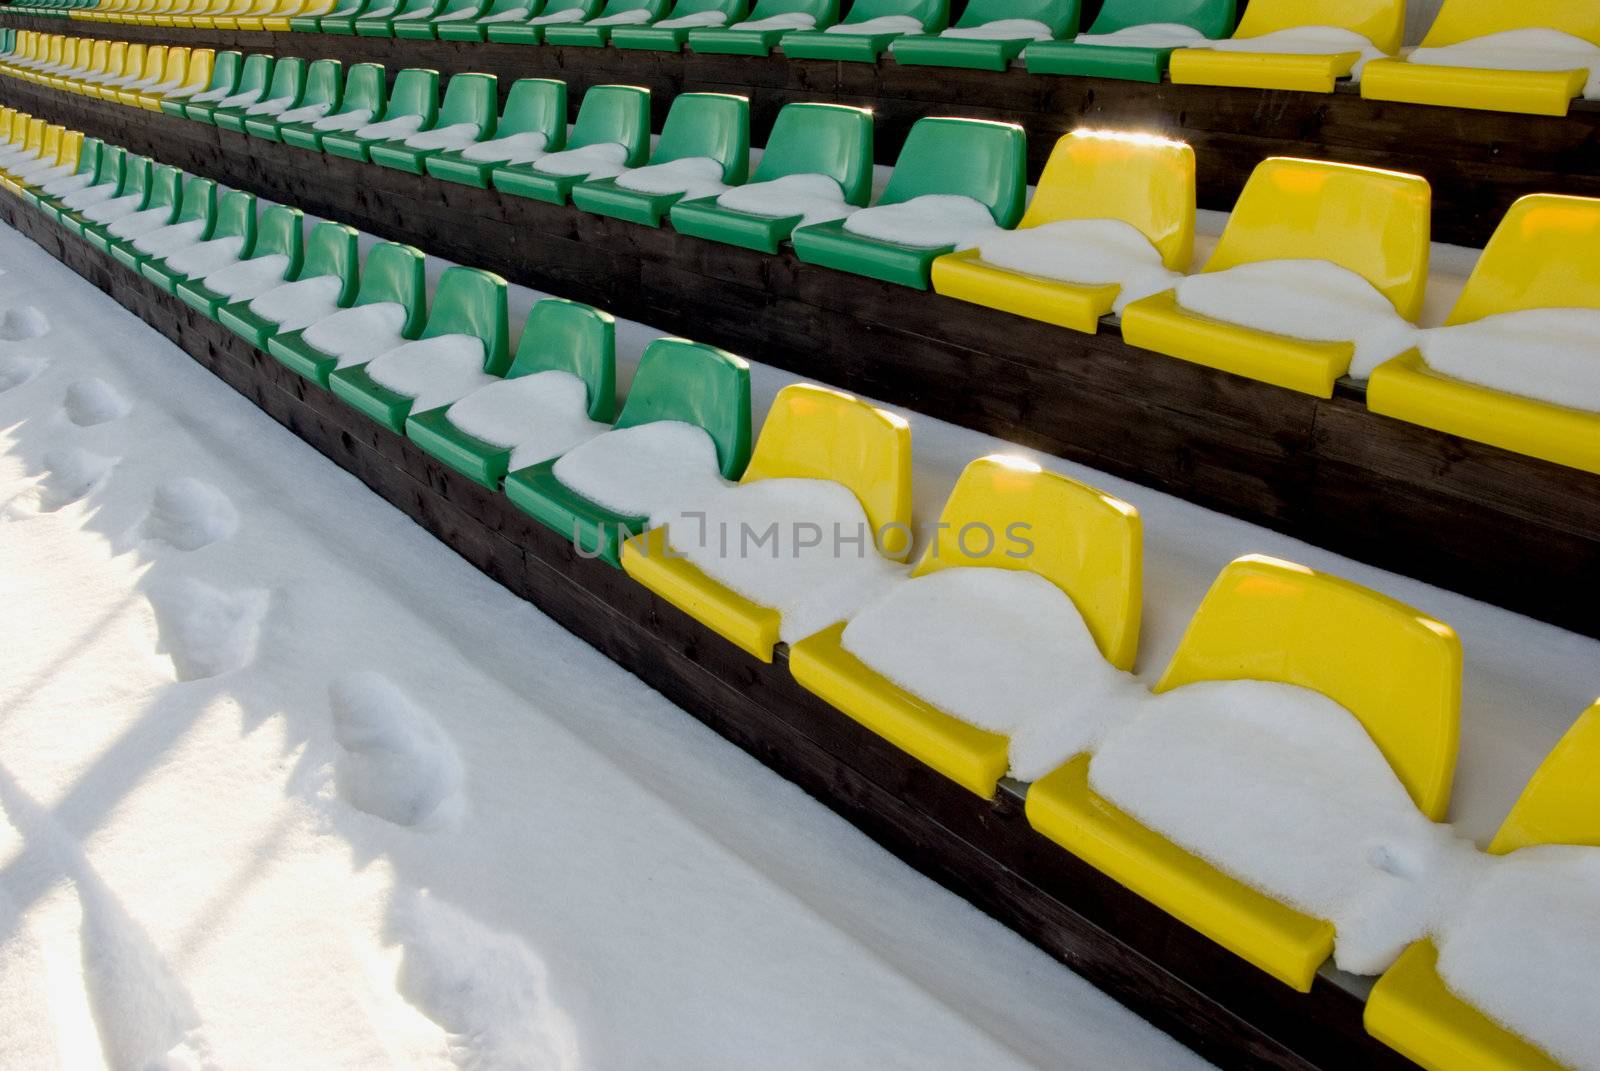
(1393, 668)
(1129, 39)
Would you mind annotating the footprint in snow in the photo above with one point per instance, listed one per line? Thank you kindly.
(94, 401)
(397, 764)
(69, 476)
(189, 514)
(22, 323)
(207, 631)
(16, 369)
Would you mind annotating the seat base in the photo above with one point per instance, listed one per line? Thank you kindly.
(1260, 70)
(300, 357)
(523, 181)
(337, 25)
(729, 42)
(373, 28)
(966, 277)
(1098, 61)
(414, 30)
(200, 113)
(162, 276)
(1525, 92)
(650, 560)
(453, 167)
(578, 36)
(850, 47)
(400, 157)
(649, 38)
(593, 529)
(482, 463)
(363, 393)
(238, 318)
(461, 31)
(515, 34)
(261, 127)
(931, 50)
(125, 254)
(173, 108)
(704, 218)
(604, 197)
(229, 119)
(200, 298)
(351, 148)
(306, 24)
(301, 136)
(831, 246)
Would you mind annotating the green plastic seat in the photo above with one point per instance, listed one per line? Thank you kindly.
(224, 76)
(1214, 18)
(468, 302)
(822, 139)
(415, 92)
(323, 82)
(528, 32)
(364, 89)
(165, 191)
(194, 200)
(534, 105)
(730, 40)
(587, 35)
(330, 250)
(560, 336)
(468, 98)
(288, 80)
(449, 10)
(661, 38)
(382, 20)
(255, 72)
(88, 164)
(607, 114)
(975, 158)
(867, 45)
(234, 217)
(476, 29)
(932, 50)
(715, 125)
(341, 20)
(112, 167)
(138, 176)
(279, 230)
(393, 273)
(676, 380)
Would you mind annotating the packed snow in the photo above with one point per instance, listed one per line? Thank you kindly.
(1089, 252)
(1529, 49)
(1147, 35)
(188, 513)
(71, 184)
(598, 161)
(165, 241)
(93, 401)
(693, 20)
(89, 196)
(357, 335)
(522, 148)
(456, 16)
(207, 631)
(243, 279)
(632, 17)
(691, 176)
(930, 221)
(812, 197)
(536, 416)
(200, 260)
(570, 14)
(432, 371)
(789, 20)
(210, 96)
(300, 303)
(275, 106)
(397, 764)
(881, 24)
(137, 224)
(22, 322)
(354, 119)
(307, 113)
(454, 136)
(515, 14)
(645, 470)
(1306, 41)
(112, 209)
(394, 129)
(242, 99)
(1002, 30)
(1549, 355)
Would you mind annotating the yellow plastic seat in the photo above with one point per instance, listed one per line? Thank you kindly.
(1397, 670)
(197, 75)
(1530, 92)
(94, 66)
(132, 64)
(1410, 1008)
(155, 65)
(810, 432)
(1540, 257)
(1380, 21)
(1144, 181)
(1374, 223)
(1086, 542)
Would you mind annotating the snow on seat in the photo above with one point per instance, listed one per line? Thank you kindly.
(1343, 250)
(817, 166)
(447, 12)
(769, 22)
(195, 77)
(170, 74)
(1111, 221)
(704, 147)
(319, 94)
(828, 487)
(46, 197)
(1305, 45)
(612, 132)
(389, 309)
(196, 207)
(232, 237)
(533, 122)
(558, 391)
(341, 19)
(1133, 39)
(146, 199)
(462, 347)
(531, 30)
(466, 115)
(324, 283)
(361, 97)
(222, 81)
(1517, 364)
(282, 90)
(1013, 623)
(255, 73)
(596, 30)
(273, 257)
(979, 161)
(127, 89)
(684, 430)
(380, 21)
(668, 33)
(475, 26)
(867, 30)
(990, 34)
(1265, 625)
(1509, 983)
(109, 177)
(412, 105)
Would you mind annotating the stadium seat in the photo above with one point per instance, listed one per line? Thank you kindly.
(341, 20)
(393, 274)
(364, 89)
(87, 164)
(1213, 18)
(559, 336)
(323, 83)
(468, 98)
(415, 92)
(381, 21)
(1374, 223)
(971, 157)
(255, 72)
(983, 53)
(270, 15)
(1089, 546)
(587, 34)
(731, 40)
(155, 63)
(280, 231)
(714, 125)
(331, 249)
(282, 21)
(534, 105)
(181, 84)
(676, 380)
(1395, 669)
(1540, 257)
(449, 11)
(607, 115)
(138, 174)
(1144, 181)
(1410, 1008)
(113, 162)
(825, 139)
(669, 37)
(1500, 90)
(853, 39)
(813, 433)
(163, 191)
(194, 200)
(97, 65)
(468, 302)
(222, 81)
(1380, 21)
(477, 27)
(234, 217)
(288, 83)
(529, 32)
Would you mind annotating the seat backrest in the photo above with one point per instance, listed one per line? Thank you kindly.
(256, 73)
(136, 179)
(1383, 22)
(933, 14)
(708, 124)
(564, 336)
(166, 189)
(324, 80)
(536, 104)
(1375, 223)
(281, 229)
(1396, 669)
(470, 301)
(225, 71)
(453, 7)
(588, 7)
(98, 55)
(332, 250)
(408, 7)
(397, 273)
(470, 98)
(236, 218)
(198, 76)
(1543, 255)
(1561, 803)
(617, 7)
(499, 7)
(1461, 20)
(817, 433)
(199, 202)
(976, 158)
(113, 161)
(415, 92)
(696, 384)
(1141, 179)
(89, 157)
(1060, 15)
(826, 12)
(176, 65)
(288, 79)
(364, 89)
(132, 60)
(827, 139)
(619, 114)
(1008, 513)
(155, 61)
(50, 141)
